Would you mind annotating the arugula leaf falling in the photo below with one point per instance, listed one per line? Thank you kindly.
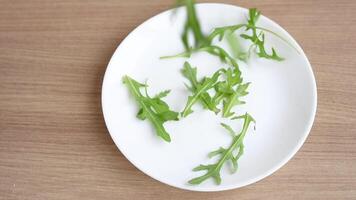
(152, 108)
(201, 42)
(226, 154)
(204, 43)
(191, 25)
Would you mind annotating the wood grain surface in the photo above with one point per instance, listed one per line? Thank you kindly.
(53, 140)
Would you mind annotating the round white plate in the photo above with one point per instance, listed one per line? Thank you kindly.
(282, 99)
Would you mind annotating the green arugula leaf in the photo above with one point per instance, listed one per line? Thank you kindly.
(220, 31)
(201, 42)
(191, 25)
(211, 49)
(258, 40)
(235, 46)
(225, 89)
(152, 108)
(162, 94)
(221, 53)
(234, 99)
(191, 74)
(232, 78)
(200, 91)
(213, 170)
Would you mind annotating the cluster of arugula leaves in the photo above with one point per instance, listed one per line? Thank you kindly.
(220, 92)
(229, 90)
(205, 43)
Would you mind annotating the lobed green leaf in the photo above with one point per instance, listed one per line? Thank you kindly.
(154, 109)
(213, 170)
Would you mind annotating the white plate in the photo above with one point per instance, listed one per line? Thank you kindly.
(282, 99)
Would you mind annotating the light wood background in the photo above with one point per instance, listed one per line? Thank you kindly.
(53, 140)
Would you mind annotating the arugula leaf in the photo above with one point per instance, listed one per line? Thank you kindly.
(152, 108)
(200, 92)
(211, 49)
(232, 78)
(162, 94)
(226, 154)
(258, 40)
(192, 25)
(221, 53)
(201, 42)
(191, 74)
(224, 90)
(235, 46)
(233, 99)
(220, 31)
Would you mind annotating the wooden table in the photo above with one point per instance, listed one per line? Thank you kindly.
(53, 140)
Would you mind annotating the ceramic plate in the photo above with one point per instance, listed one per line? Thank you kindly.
(282, 99)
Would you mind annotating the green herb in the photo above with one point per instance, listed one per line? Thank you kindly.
(192, 25)
(258, 39)
(233, 99)
(230, 91)
(236, 47)
(232, 78)
(200, 90)
(152, 108)
(213, 170)
(190, 73)
(211, 49)
(220, 31)
(203, 43)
